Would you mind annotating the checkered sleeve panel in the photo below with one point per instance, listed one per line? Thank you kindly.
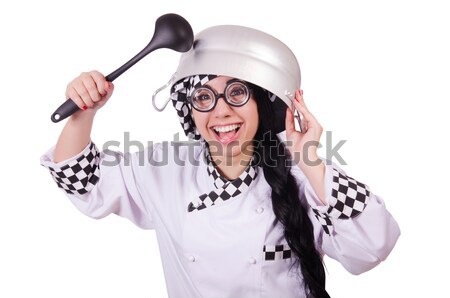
(79, 175)
(351, 197)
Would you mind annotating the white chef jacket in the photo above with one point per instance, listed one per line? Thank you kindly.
(218, 251)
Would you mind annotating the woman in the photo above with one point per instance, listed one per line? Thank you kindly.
(250, 209)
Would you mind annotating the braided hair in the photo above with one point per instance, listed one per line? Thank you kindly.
(289, 211)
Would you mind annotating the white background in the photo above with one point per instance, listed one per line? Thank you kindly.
(375, 74)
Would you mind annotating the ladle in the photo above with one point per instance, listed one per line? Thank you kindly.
(171, 31)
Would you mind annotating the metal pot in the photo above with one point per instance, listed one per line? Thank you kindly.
(244, 53)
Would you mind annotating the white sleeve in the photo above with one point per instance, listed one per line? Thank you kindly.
(354, 227)
(101, 183)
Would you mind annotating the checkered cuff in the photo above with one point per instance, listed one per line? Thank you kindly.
(79, 174)
(349, 198)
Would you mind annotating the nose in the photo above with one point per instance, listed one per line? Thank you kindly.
(222, 108)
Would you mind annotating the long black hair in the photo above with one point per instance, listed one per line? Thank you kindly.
(289, 211)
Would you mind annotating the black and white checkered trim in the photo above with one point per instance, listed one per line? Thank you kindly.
(225, 189)
(351, 196)
(351, 199)
(277, 252)
(179, 94)
(325, 220)
(81, 174)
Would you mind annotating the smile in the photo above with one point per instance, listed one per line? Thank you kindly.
(226, 133)
(226, 128)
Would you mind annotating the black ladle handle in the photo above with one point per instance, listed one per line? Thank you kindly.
(171, 31)
(69, 107)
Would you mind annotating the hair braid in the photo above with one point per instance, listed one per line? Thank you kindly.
(289, 211)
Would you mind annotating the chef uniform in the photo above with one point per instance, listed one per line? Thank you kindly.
(231, 247)
(220, 238)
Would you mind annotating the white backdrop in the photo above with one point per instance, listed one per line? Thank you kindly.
(375, 74)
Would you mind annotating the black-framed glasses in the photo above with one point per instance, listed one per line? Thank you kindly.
(236, 94)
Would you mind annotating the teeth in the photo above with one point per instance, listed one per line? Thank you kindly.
(226, 128)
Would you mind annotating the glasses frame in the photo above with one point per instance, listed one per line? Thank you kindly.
(219, 95)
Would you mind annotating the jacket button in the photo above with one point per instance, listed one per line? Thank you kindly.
(191, 259)
(259, 210)
(252, 261)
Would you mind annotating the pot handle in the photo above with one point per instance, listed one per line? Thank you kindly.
(159, 90)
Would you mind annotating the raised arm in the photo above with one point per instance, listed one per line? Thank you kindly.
(97, 188)
(90, 91)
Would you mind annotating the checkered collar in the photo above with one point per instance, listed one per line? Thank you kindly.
(224, 189)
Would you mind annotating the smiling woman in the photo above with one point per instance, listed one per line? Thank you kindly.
(228, 129)
(246, 218)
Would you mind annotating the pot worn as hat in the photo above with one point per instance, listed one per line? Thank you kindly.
(239, 52)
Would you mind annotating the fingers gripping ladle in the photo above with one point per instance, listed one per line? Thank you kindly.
(171, 31)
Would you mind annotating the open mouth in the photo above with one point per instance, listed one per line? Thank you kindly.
(226, 132)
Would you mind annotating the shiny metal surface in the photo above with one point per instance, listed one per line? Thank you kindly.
(244, 53)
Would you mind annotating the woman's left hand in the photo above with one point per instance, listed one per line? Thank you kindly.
(303, 145)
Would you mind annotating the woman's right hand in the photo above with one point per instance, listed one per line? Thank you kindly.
(90, 91)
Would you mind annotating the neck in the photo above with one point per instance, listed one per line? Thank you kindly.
(232, 166)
